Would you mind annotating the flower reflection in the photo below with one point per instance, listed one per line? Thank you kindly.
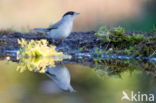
(36, 64)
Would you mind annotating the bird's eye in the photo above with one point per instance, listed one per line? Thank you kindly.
(72, 13)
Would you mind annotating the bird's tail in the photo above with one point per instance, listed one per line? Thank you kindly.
(41, 29)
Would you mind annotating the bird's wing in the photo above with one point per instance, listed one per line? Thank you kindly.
(50, 74)
(54, 26)
(51, 27)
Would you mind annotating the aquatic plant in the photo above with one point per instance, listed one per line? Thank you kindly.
(36, 55)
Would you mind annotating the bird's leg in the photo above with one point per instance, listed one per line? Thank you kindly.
(52, 41)
(62, 42)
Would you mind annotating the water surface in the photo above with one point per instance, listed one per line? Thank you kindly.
(91, 85)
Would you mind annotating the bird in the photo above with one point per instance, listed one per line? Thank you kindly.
(61, 29)
(61, 76)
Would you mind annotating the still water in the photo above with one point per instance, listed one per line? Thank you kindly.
(75, 83)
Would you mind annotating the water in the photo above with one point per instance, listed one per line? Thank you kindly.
(101, 82)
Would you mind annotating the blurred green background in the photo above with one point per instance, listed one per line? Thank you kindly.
(138, 15)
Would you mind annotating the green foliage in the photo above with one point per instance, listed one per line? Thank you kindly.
(124, 44)
(117, 31)
(106, 34)
(103, 32)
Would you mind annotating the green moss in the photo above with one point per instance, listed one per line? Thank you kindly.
(124, 44)
(107, 33)
(103, 32)
(118, 31)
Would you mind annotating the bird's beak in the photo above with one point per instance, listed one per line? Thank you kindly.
(77, 13)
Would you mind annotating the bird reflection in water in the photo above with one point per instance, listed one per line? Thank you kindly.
(61, 76)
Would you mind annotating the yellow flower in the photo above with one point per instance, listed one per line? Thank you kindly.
(36, 55)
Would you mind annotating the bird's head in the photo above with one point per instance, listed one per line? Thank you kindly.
(70, 15)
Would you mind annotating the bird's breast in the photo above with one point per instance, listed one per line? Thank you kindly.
(62, 31)
(67, 27)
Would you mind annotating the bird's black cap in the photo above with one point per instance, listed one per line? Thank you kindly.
(69, 13)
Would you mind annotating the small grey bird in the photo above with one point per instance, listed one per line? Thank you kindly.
(61, 76)
(61, 29)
